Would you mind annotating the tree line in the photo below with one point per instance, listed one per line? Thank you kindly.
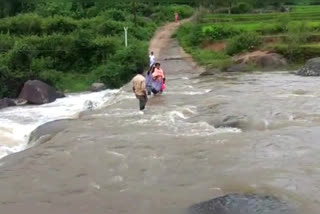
(13, 7)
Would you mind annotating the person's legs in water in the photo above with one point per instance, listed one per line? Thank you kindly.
(149, 89)
(154, 91)
(142, 101)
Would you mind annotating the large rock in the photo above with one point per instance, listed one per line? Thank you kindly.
(210, 72)
(238, 68)
(240, 122)
(262, 58)
(37, 92)
(242, 204)
(60, 94)
(95, 87)
(312, 68)
(6, 102)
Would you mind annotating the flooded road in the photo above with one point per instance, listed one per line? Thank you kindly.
(204, 137)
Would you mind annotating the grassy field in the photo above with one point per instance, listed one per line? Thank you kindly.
(295, 34)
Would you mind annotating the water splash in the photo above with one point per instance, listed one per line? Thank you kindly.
(17, 123)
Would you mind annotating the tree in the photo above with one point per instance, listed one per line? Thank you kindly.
(134, 9)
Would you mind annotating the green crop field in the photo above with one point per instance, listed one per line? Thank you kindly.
(295, 34)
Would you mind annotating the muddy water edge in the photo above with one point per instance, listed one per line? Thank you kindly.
(182, 150)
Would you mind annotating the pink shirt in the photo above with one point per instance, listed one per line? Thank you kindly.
(158, 74)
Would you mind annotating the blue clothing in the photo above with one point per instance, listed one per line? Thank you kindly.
(156, 86)
(152, 85)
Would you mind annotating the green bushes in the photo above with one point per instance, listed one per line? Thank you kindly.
(298, 53)
(241, 7)
(166, 13)
(190, 35)
(219, 32)
(6, 43)
(294, 48)
(116, 15)
(59, 24)
(298, 33)
(22, 24)
(70, 47)
(20, 57)
(243, 42)
(110, 27)
(184, 11)
(129, 62)
(4, 78)
(33, 24)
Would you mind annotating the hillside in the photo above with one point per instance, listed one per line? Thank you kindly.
(71, 44)
(216, 36)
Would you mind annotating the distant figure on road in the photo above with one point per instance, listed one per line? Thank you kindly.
(176, 16)
(139, 89)
(151, 59)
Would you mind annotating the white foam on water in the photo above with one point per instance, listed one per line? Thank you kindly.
(200, 92)
(296, 95)
(204, 129)
(117, 154)
(17, 123)
(177, 124)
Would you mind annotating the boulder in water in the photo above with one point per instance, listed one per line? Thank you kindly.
(272, 60)
(38, 92)
(6, 102)
(238, 68)
(210, 72)
(262, 58)
(232, 122)
(312, 68)
(242, 204)
(95, 87)
(60, 94)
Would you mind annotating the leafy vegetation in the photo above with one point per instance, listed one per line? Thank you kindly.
(243, 42)
(294, 34)
(71, 44)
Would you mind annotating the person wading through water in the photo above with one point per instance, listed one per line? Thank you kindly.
(158, 79)
(149, 80)
(139, 89)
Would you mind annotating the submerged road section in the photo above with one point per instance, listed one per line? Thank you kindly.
(203, 138)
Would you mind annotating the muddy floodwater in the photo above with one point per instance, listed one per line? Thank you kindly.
(203, 138)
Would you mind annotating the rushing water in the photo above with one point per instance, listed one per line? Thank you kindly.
(17, 123)
(118, 160)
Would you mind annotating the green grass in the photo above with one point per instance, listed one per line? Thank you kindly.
(296, 34)
(210, 58)
(70, 51)
(76, 83)
(307, 13)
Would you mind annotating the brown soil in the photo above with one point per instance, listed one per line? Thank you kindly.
(247, 56)
(216, 46)
(163, 36)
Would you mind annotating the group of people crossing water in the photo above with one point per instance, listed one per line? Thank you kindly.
(153, 83)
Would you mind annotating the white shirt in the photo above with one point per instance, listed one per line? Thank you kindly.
(152, 59)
